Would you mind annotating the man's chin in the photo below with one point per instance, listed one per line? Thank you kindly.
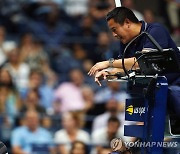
(123, 42)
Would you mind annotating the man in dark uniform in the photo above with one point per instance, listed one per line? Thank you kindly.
(125, 27)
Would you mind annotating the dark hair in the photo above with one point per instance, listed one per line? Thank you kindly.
(82, 143)
(113, 119)
(11, 84)
(36, 91)
(119, 14)
(35, 71)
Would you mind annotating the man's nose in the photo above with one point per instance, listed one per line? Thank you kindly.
(114, 34)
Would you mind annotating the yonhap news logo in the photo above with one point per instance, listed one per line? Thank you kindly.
(151, 144)
(116, 144)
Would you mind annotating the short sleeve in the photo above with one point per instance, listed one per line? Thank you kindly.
(60, 137)
(16, 138)
(159, 33)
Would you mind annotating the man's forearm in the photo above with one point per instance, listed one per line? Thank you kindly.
(113, 71)
(127, 61)
(17, 150)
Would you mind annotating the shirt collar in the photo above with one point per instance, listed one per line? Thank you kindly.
(143, 27)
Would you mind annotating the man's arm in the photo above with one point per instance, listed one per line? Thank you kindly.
(17, 150)
(116, 64)
(102, 75)
(128, 62)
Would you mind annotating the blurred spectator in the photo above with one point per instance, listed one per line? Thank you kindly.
(79, 147)
(12, 15)
(45, 85)
(88, 96)
(71, 132)
(91, 109)
(10, 102)
(47, 123)
(173, 10)
(68, 95)
(19, 70)
(32, 103)
(173, 13)
(130, 4)
(113, 90)
(104, 49)
(51, 30)
(86, 65)
(86, 33)
(58, 59)
(81, 61)
(79, 53)
(5, 130)
(149, 16)
(31, 133)
(32, 52)
(76, 8)
(112, 109)
(2, 34)
(3, 56)
(98, 10)
(102, 137)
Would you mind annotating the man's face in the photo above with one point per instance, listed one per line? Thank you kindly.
(121, 32)
(113, 127)
(32, 120)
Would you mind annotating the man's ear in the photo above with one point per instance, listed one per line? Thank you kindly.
(127, 22)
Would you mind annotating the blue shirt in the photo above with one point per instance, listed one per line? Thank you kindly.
(24, 138)
(161, 35)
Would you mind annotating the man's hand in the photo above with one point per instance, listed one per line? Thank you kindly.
(98, 67)
(100, 76)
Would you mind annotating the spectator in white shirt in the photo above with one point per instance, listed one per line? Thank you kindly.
(71, 132)
(19, 70)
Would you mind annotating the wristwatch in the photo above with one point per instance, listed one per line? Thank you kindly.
(111, 60)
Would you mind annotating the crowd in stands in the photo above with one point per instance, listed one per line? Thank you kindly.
(47, 100)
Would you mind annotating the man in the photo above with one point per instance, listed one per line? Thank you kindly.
(68, 95)
(125, 26)
(30, 134)
(112, 109)
(102, 137)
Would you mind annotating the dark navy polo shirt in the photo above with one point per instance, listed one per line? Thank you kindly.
(159, 33)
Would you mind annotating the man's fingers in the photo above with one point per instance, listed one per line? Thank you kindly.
(93, 70)
(90, 72)
(97, 81)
